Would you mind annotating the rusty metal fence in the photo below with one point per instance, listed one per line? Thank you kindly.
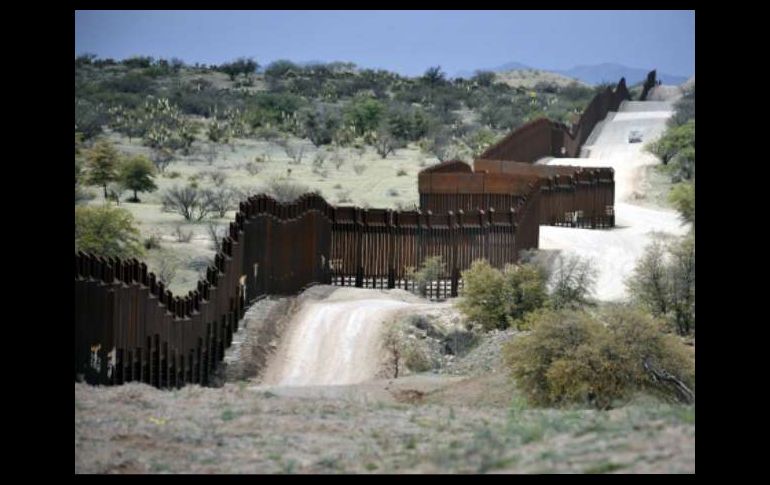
(129, 327)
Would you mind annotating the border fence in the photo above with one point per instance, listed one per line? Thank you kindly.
(130, 327)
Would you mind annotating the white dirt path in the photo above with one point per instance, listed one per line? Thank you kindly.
(616, 251)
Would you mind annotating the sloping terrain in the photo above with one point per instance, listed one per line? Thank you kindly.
(616, 251)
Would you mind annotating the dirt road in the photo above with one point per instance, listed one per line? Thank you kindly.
(616, 251)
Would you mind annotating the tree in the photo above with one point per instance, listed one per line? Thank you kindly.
(239, 66)
(663, 282)
(572, 281)
(189, 202)
(673, 141)
(89, 118)
(484, 78)
(649, 283)
(385, 142)
(220, 200)
(682, 270)
(137, 174)
(364, 114)
(106, 231)
(161, 158)
(320, 123)
(434, 76)
(102, 165)
(682, 196)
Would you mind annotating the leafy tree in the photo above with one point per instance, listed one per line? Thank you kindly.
(684, 110)
(320, 123)
(364, 114)
(479, 140)
(137, 174)
(102, 165)
(434, 76)
(682, 196)
(673, 141)
(407, 123)
(89, 118)
(240, 66)
(106, 231)
(138, 62)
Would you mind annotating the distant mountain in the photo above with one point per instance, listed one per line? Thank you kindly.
(510, 66)
(610, 72)
(591, 74)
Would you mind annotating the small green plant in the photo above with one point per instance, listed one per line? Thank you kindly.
(152, 242)
(401, 172)
(411, 442)
(252, 168)
(359, 168)
(604, 467)
(172, 175)
(430, 270)
(228, 415)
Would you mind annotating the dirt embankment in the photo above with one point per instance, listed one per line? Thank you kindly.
(468, 417)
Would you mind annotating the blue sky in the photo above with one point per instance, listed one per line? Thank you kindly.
(407, 42)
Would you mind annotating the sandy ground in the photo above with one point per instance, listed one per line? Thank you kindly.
(363, 178)
(616, 251)
(337, 340)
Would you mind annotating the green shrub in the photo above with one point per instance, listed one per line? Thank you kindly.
(682, 196)
(663, 282)
(499, 299)
(573, 357)
(106, 231)
(431, 269)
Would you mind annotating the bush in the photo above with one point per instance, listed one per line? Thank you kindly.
(152, 242)
(285, 191)
(410, 346)
(430, 270)
(106, 231)
(572, 281)
(573, 357)
(189, 202)
(663, 282)
(682, 196)
(498, 299)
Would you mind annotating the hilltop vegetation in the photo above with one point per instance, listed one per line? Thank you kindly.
(170, 105)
